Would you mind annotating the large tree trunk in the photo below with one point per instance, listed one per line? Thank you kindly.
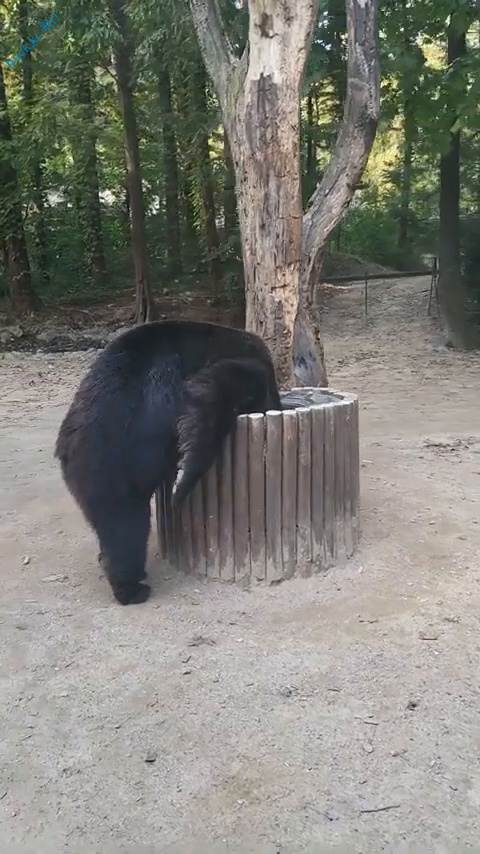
(259, 94)
(86, 170)
(38, 194)
(12, 236)
(453, 294)
(172, 206)
(144, 303)
(264, 136)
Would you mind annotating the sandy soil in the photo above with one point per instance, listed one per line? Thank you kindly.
(335, 711)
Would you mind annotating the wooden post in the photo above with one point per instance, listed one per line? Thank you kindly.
(282, 500)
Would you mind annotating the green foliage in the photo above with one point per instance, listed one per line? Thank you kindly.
(72, 132)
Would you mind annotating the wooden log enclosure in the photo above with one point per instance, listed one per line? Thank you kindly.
(282, 500)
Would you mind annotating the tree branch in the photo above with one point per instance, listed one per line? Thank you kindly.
(355, 137)
(216, 49)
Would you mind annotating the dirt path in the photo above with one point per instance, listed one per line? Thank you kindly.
(284, 717)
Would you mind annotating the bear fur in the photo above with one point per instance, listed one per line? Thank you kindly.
(156, 405)
(214, 397)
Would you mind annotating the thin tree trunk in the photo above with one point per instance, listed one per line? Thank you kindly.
(126, 210)
(172, 205)
(186, 146)
(453, 294)
(336, 58)
(311, 177)
(199, 98)
(144, 304)
(230, 215)
(86, 170)
(311, 148)
(12, 236)
(38, 195)
(409, 137)
(404, 243)
(188, 193)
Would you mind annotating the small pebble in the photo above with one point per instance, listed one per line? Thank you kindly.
(401, 752)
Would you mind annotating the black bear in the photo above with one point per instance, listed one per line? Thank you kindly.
(159, 401)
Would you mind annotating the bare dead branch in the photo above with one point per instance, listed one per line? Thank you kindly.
(217, 51)
(356, 134)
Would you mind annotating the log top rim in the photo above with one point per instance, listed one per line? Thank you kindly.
(343, 398)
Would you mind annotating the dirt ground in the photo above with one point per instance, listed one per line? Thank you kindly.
(335, 713)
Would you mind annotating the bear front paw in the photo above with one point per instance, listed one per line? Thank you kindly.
(132, 595)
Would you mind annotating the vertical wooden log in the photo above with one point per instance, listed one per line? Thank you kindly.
(304, 494)
(355, 450)
(185, 532)
(339, 433)
(240, 502)
(212, 522)
(227, 567)
(198, 531)
(256, 481)
(329, 486)
(289, 493)
(318, 451)
(273, 496)
(169, 522)
(347, 491)
(160, 515)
